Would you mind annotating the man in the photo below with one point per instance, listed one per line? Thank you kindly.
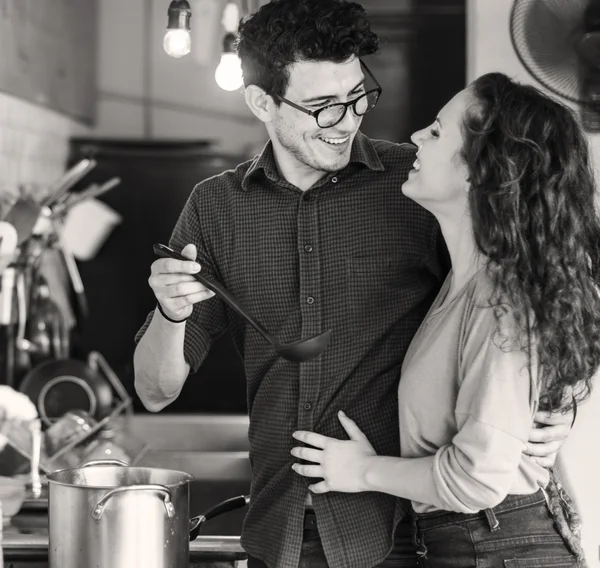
(314, 234)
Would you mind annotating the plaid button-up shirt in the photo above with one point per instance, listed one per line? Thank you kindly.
(351, 254)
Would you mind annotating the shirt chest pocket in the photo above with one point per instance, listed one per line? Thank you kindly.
(381, 289)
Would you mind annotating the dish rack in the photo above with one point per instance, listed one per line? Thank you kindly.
(68, 437)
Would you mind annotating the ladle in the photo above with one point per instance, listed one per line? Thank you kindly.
(298, 351)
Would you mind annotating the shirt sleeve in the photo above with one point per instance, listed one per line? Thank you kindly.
(494, 416)
(208, 320)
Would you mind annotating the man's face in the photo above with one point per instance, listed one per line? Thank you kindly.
(296, 135)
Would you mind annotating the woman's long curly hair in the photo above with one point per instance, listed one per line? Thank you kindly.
(532, 202)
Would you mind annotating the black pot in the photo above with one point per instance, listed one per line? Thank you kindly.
(59, 386)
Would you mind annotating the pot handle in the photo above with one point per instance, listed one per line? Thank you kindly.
(166, 495)
(111, 461)
(223, 507)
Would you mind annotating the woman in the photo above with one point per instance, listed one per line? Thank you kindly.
(516, 327)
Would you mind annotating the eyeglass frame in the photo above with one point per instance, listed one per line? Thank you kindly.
(315, 113)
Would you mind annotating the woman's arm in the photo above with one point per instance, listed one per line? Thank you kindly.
(476, 469)
(472, 473)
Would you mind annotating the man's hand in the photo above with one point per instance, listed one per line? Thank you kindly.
(548, 435)
(175, 287)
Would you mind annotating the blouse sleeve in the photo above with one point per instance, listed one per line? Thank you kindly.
(494, 415)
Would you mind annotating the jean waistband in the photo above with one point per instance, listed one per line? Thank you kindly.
(436, 519)
(310, 520)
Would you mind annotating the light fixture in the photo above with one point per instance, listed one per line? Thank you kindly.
(228, 74)
(177, 41)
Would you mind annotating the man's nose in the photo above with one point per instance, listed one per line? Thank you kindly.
(350, 121)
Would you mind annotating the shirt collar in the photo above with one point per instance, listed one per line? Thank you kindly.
(363, 152)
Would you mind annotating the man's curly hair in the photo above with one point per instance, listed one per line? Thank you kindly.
(284, 32)
(532, 202)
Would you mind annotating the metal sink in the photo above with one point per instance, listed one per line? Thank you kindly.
(210, 447)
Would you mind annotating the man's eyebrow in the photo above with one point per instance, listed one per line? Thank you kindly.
(329, 97)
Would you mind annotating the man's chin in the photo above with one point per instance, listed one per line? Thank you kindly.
(332, 166)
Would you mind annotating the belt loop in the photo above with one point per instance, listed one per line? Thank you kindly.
(418, 542)
(492, 520)
(546, 497)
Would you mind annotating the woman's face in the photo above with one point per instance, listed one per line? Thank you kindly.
(438, 180)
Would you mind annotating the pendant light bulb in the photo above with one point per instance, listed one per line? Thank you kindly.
(177, 41)
(228, 74)
(231, 17)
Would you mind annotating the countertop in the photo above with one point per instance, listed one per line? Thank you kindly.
(26, 540)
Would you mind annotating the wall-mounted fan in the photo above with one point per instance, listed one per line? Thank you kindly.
(558, 42)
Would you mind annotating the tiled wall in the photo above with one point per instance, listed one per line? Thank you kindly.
(33, 144)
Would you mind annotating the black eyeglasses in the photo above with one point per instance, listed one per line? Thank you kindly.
(331, 115)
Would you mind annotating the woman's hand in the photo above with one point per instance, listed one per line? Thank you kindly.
(549, 433)
(340, 463)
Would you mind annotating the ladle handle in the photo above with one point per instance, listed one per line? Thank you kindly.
(164, 251)
(164, 491)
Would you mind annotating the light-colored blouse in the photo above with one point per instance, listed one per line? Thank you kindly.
(467, 397)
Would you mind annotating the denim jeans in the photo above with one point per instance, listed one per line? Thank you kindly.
(518, 533)
(403, 555)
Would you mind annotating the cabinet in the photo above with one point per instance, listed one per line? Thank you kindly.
(157, 178)
(421, 63)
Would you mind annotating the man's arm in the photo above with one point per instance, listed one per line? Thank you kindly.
(168, 350)
(159, 359)
(159, 363)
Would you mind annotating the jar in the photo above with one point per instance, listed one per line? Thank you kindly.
(106, 447)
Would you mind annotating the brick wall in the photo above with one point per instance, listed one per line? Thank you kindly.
(33, 144)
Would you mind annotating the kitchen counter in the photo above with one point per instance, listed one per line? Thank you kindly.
(25, 544)
(214, 449)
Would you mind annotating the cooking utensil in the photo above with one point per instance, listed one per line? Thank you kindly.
(58, 386)
(223, 507)
(299, 351)
(46, 335)
(23, 216)
(72, 270)
(74, 426)
(93, 190)
(8, 280)
(35, 428)
(8, 244)
(108, 515)
(68, 180)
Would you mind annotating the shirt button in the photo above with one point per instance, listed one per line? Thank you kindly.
(334, 180)
(308, 248)
(310, 300)
(307, 406)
